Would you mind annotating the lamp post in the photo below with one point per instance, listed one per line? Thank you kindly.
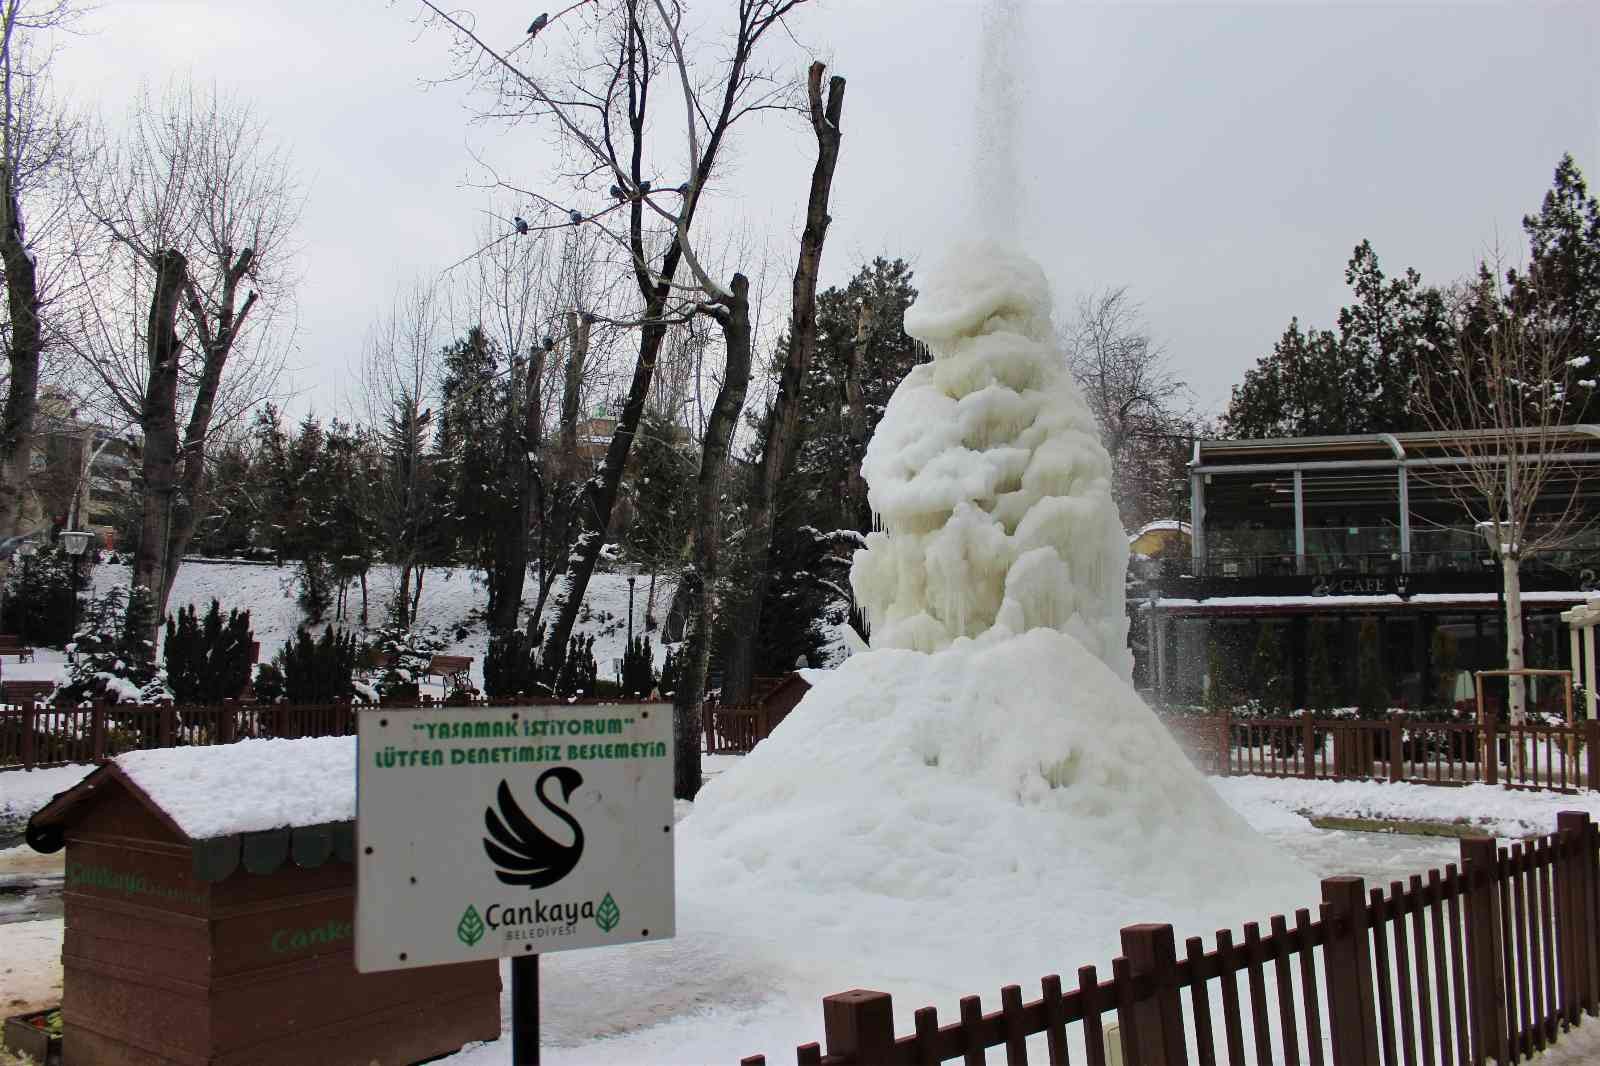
(75, 541)
(631, 580)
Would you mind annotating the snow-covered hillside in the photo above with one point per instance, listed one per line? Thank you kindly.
(452, 600)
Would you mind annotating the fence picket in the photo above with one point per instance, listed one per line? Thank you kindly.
(927, 1022)
(1094, 1040)
(1441, 973)
(1514, 1016)
(1378, 917)
(1258, 993)
(1227, 977)
(1200, 1002)
(1055, 1021)
(1016, 1031)
(972, 1032)
(1402, 969)
(1415, 904)
(1285, 988)
(1308, 987)
(1127, 1023)
(1546, 977)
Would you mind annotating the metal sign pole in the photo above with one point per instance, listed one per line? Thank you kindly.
(525, 1010)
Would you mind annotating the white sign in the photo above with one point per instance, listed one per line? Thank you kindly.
(484, 832)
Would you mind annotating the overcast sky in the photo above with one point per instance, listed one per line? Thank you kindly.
(1220, 160)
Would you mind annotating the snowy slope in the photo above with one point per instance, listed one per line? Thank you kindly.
(452, 599)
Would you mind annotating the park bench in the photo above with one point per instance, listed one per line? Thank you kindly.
(19, 692)
(11, 644)
(453, 671)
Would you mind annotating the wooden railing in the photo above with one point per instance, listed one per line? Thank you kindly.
(37, 735)
(1494, 959)
(1444, 753)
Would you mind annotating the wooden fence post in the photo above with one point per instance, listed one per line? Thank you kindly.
(1152, 953)
(1488, 749)
(1485, 947)
(97, 728)
(1397, 749)
(1591, 741)
(1308, 741)
(1575, 902)
(166, 725)
(858, 1026)
(30, 720)
(1347, 959)
(1225, 745)
(228, 722)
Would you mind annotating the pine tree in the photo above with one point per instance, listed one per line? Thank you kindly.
(1372, 686)
(1322, 688)
(320, 670)
(207, 660)
(1273, 683)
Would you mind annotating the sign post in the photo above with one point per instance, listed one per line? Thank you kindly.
(491, 832)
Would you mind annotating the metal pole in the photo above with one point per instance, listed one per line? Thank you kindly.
(525, 1010)
(631, 580)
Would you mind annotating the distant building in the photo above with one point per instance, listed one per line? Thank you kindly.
(1164, 537)
(594, 434)
(1320, 535)
(71, 458)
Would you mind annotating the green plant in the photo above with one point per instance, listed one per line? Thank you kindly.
(667, 680)
(1322, 689)
(1372, 687)
(638, 673)
(1273, 682)
(112, 653)
(320, 670)
(207, 660)
(511, 663)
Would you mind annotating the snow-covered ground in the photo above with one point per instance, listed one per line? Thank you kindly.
(453, 600)
(710, 1007)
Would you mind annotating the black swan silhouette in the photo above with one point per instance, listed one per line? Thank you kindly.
(523, 853)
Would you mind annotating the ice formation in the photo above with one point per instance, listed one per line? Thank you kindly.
(982, 797)
(989, 477)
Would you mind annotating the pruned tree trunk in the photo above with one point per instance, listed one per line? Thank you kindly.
(511, 556)
(578, 330)
(701, 575)
(855, 396)
(739, 662)
(1516, 687)
(158, 419)
(22, 392)
(217, 333)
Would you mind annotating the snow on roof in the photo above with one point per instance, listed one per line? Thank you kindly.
(250, 785)
(1164, 525)
(1363, 601)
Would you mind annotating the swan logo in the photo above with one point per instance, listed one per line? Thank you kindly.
(522, 853)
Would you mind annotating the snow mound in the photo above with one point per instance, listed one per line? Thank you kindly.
(989, 477)
(250, 785)
(976, 797)
(982, 797)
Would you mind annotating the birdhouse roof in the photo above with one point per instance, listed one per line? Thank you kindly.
(249, 786)
(255, 801)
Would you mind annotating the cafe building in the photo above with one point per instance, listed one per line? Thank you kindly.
(1314, 538)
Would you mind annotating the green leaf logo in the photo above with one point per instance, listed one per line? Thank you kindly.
(470, 929)
(608, 915)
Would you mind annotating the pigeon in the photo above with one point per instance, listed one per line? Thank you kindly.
(521, 224)
(549, 343)
(683, 190)
(575, 215)
(617, 193)
(538, 24)
(644, 187)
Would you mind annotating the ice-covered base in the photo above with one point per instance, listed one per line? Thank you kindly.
(952, 821)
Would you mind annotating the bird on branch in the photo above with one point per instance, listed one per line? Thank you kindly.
(538, 24)
(521, 224)
(575, 215)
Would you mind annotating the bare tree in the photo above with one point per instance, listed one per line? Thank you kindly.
(398, 381)
(197, 205)
(601, 110)
(784, 418)
(1136, 398)
(1499, 399)
(37, 142)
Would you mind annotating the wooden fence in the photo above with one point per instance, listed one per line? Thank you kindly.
(1444, 753)
(1495, 960)
(33, 736)
(736, 729)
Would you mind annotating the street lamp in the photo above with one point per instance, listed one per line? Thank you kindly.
(631, 580)
(74, 542)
